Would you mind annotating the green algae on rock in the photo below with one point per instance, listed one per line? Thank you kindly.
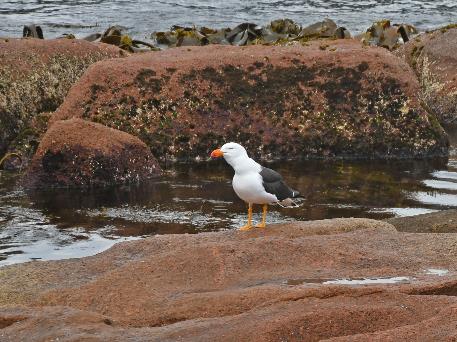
(35, 76)
(294, 102)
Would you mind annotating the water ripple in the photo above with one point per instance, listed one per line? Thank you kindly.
(144, 16)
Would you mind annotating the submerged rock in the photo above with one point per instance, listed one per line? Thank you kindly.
(433, 55)
(78, 153)
(35, 76)
(337, 99)
(271, 284)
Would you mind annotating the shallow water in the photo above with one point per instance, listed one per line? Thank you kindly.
(141, 17)
(63, 223)
(350, 281)
(194, 198)
(367, 280)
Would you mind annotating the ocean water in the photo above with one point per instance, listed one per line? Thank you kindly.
(142, 17)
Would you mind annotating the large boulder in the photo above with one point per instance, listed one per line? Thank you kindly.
(78, 153)
(327, 99)
(35, 76)
(273, 284)
(433, 56)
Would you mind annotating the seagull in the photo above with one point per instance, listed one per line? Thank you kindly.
(254, 183)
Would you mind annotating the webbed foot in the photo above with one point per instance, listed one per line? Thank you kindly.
(246, 227)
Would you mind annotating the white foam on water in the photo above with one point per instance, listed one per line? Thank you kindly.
(445, 174)
(438, 199)
(440, 184)
(367, 281)
(403, 212)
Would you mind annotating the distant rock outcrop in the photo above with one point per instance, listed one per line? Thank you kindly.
(328, 99)
(78, 153)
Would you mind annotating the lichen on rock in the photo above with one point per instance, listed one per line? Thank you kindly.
(432, 55)
(35, 76)
(293, 102)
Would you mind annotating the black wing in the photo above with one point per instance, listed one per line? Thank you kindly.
(274, 184)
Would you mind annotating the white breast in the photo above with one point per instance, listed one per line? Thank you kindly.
(248, 187)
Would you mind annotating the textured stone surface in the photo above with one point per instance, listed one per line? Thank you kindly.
(263, 285)
(433, 56)
(35, 76)
(78, 153)
(444, 221)
(323, 100)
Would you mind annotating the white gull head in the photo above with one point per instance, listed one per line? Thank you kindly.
(236, 155)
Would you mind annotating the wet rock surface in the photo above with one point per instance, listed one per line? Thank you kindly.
(78, 153)
(332, 99)
(433, 56)
(444, 221)
(35, 76)
(263, 285)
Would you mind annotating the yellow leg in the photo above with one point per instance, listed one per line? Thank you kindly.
(249, 224)
(264, 217)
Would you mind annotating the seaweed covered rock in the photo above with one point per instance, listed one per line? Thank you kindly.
(433, 56)
(332, 99)
(78, 153)
(35, 75)
(388, 36)
(278, 32)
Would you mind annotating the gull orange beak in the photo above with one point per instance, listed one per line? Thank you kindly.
(217, 153)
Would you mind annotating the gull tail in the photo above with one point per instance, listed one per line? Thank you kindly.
(289, 202)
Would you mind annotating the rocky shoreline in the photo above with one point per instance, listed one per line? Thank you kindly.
(323, 98)
(264, 285)
(90, 114)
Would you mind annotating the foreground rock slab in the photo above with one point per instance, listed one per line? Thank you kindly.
(327, 99)
(264, 285)
(35, 76)
(433, 56)
(78, 153)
